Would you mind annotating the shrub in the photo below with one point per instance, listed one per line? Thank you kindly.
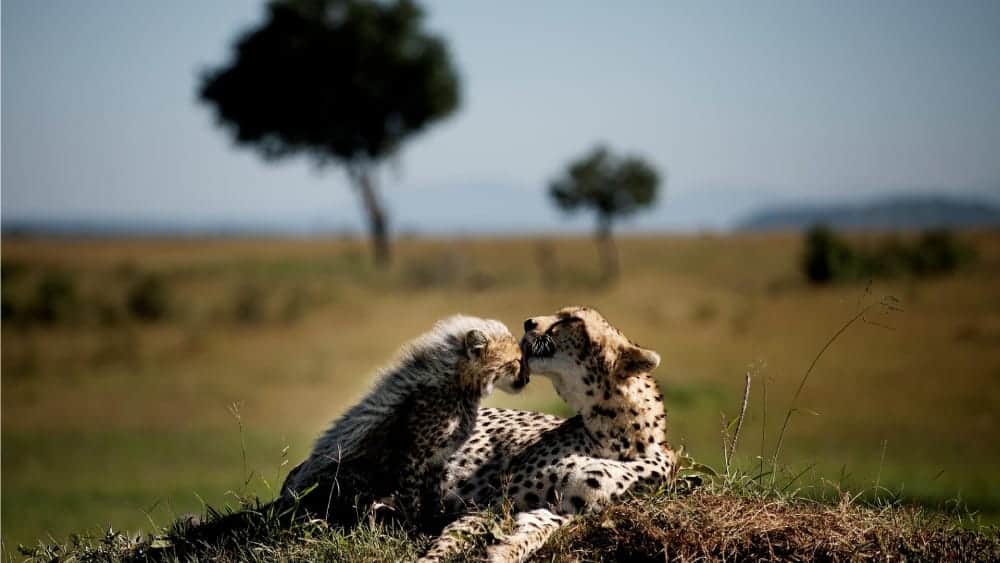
(55, 299)
(828, 258)
(11, 270)
(148, 298)
(8, 311)
(938, 252)
(249, 306)
(891, 258)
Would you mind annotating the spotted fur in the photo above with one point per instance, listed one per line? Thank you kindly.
(394, 443)
(552, 469)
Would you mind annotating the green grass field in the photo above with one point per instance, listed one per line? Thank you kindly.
(109, 421)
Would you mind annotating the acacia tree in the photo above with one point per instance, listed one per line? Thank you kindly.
(342, 81)
(612, 186)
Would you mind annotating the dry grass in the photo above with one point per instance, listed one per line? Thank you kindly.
(709, 526)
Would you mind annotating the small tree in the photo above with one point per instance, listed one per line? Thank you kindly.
(610, 185)
(343, 81)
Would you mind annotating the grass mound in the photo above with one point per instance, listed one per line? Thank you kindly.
(725, 527)
(706, 525)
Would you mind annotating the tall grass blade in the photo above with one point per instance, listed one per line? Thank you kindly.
(887, 303)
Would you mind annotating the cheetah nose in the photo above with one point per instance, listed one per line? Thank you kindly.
(529, 325)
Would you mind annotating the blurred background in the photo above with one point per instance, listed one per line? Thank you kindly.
(220, 218)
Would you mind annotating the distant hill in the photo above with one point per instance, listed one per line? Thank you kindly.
(894, 213)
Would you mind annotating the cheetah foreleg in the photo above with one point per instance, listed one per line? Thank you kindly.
(531, 530)
(456, 537)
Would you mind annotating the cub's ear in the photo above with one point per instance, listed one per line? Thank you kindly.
(475, 343)
(633, 360)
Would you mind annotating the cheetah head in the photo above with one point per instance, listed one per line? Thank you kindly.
(583, 354)
(492, 358)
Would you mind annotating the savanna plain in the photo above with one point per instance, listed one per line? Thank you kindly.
(144, 378)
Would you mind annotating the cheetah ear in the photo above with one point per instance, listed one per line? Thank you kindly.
(475, 343)
(633, 360)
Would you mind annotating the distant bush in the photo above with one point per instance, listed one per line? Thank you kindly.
(11, 270)
(8, 310)
(250, 304)
(148, 298)
(938, 252)
(891, 258)
(828, 258)
(55, 299)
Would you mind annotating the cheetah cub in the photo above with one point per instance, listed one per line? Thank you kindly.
(394, 443)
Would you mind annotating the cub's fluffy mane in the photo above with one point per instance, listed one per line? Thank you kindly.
(429, 361)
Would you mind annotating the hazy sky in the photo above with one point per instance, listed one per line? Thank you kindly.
(740, 103)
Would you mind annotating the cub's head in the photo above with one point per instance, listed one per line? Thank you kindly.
(488, 354)
(583, 354)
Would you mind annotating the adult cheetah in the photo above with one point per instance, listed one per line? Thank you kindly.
(553, 469)
(394, 443)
